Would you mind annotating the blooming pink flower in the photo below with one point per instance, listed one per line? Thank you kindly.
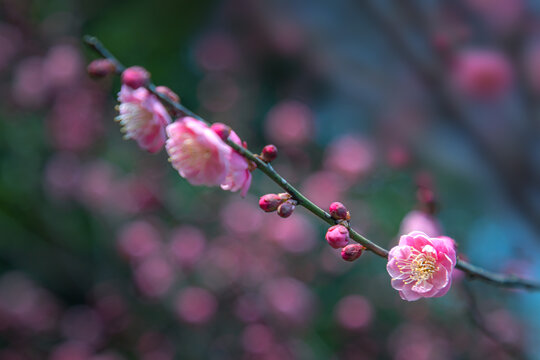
(143, 118)
(421, 266)
(198, 153)
(238, 176)
(482, 73)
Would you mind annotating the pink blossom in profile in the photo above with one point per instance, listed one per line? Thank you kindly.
(29, 86)
(421, 266)
(420, 221)
(257, 339)
(195, 305)
(350, 156)
(82, 324)
(295, 235)
(187, 245)
(197, 152)
(482, 74)
(354, 312)
(154, 276)
(138, 240)
(143, 118)
(290, 300)
(290, 123)
(62, 66)
(238, 175)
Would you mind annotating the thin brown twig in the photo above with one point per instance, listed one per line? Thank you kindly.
(473, 271)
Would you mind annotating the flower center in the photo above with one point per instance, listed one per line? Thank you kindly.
(134, 119)
(419, 266)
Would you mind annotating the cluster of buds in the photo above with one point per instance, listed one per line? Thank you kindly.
(282, 203)
(338, 237)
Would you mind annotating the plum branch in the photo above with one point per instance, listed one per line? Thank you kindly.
(473, 272)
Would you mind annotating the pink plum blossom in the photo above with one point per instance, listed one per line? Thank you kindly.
(421, 266)
(481, 73)
(143, 118)
(198, 153)
(239, 176)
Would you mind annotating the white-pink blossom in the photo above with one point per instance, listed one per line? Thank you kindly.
(143, 118)
(421, 266)
(198, 153)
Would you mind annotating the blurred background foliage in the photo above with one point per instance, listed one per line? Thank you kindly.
(416, 115)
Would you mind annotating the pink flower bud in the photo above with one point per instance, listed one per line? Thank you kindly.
(269, 153)
(270, 202)
(135, 77)
(286, 209)
(222, 130)
(351, 252)
(100, 68)
(339, 212)
(337, 236)
(168, 93)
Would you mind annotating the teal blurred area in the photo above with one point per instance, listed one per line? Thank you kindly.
(416, 115)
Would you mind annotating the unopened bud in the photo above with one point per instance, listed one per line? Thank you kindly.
(269, 153)
(135, 77)
(338, 211)
(101, 68)
(286, 209)
(222, 130)
(270, 202)
(351, 252)
(168, 93)
(337, 236)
